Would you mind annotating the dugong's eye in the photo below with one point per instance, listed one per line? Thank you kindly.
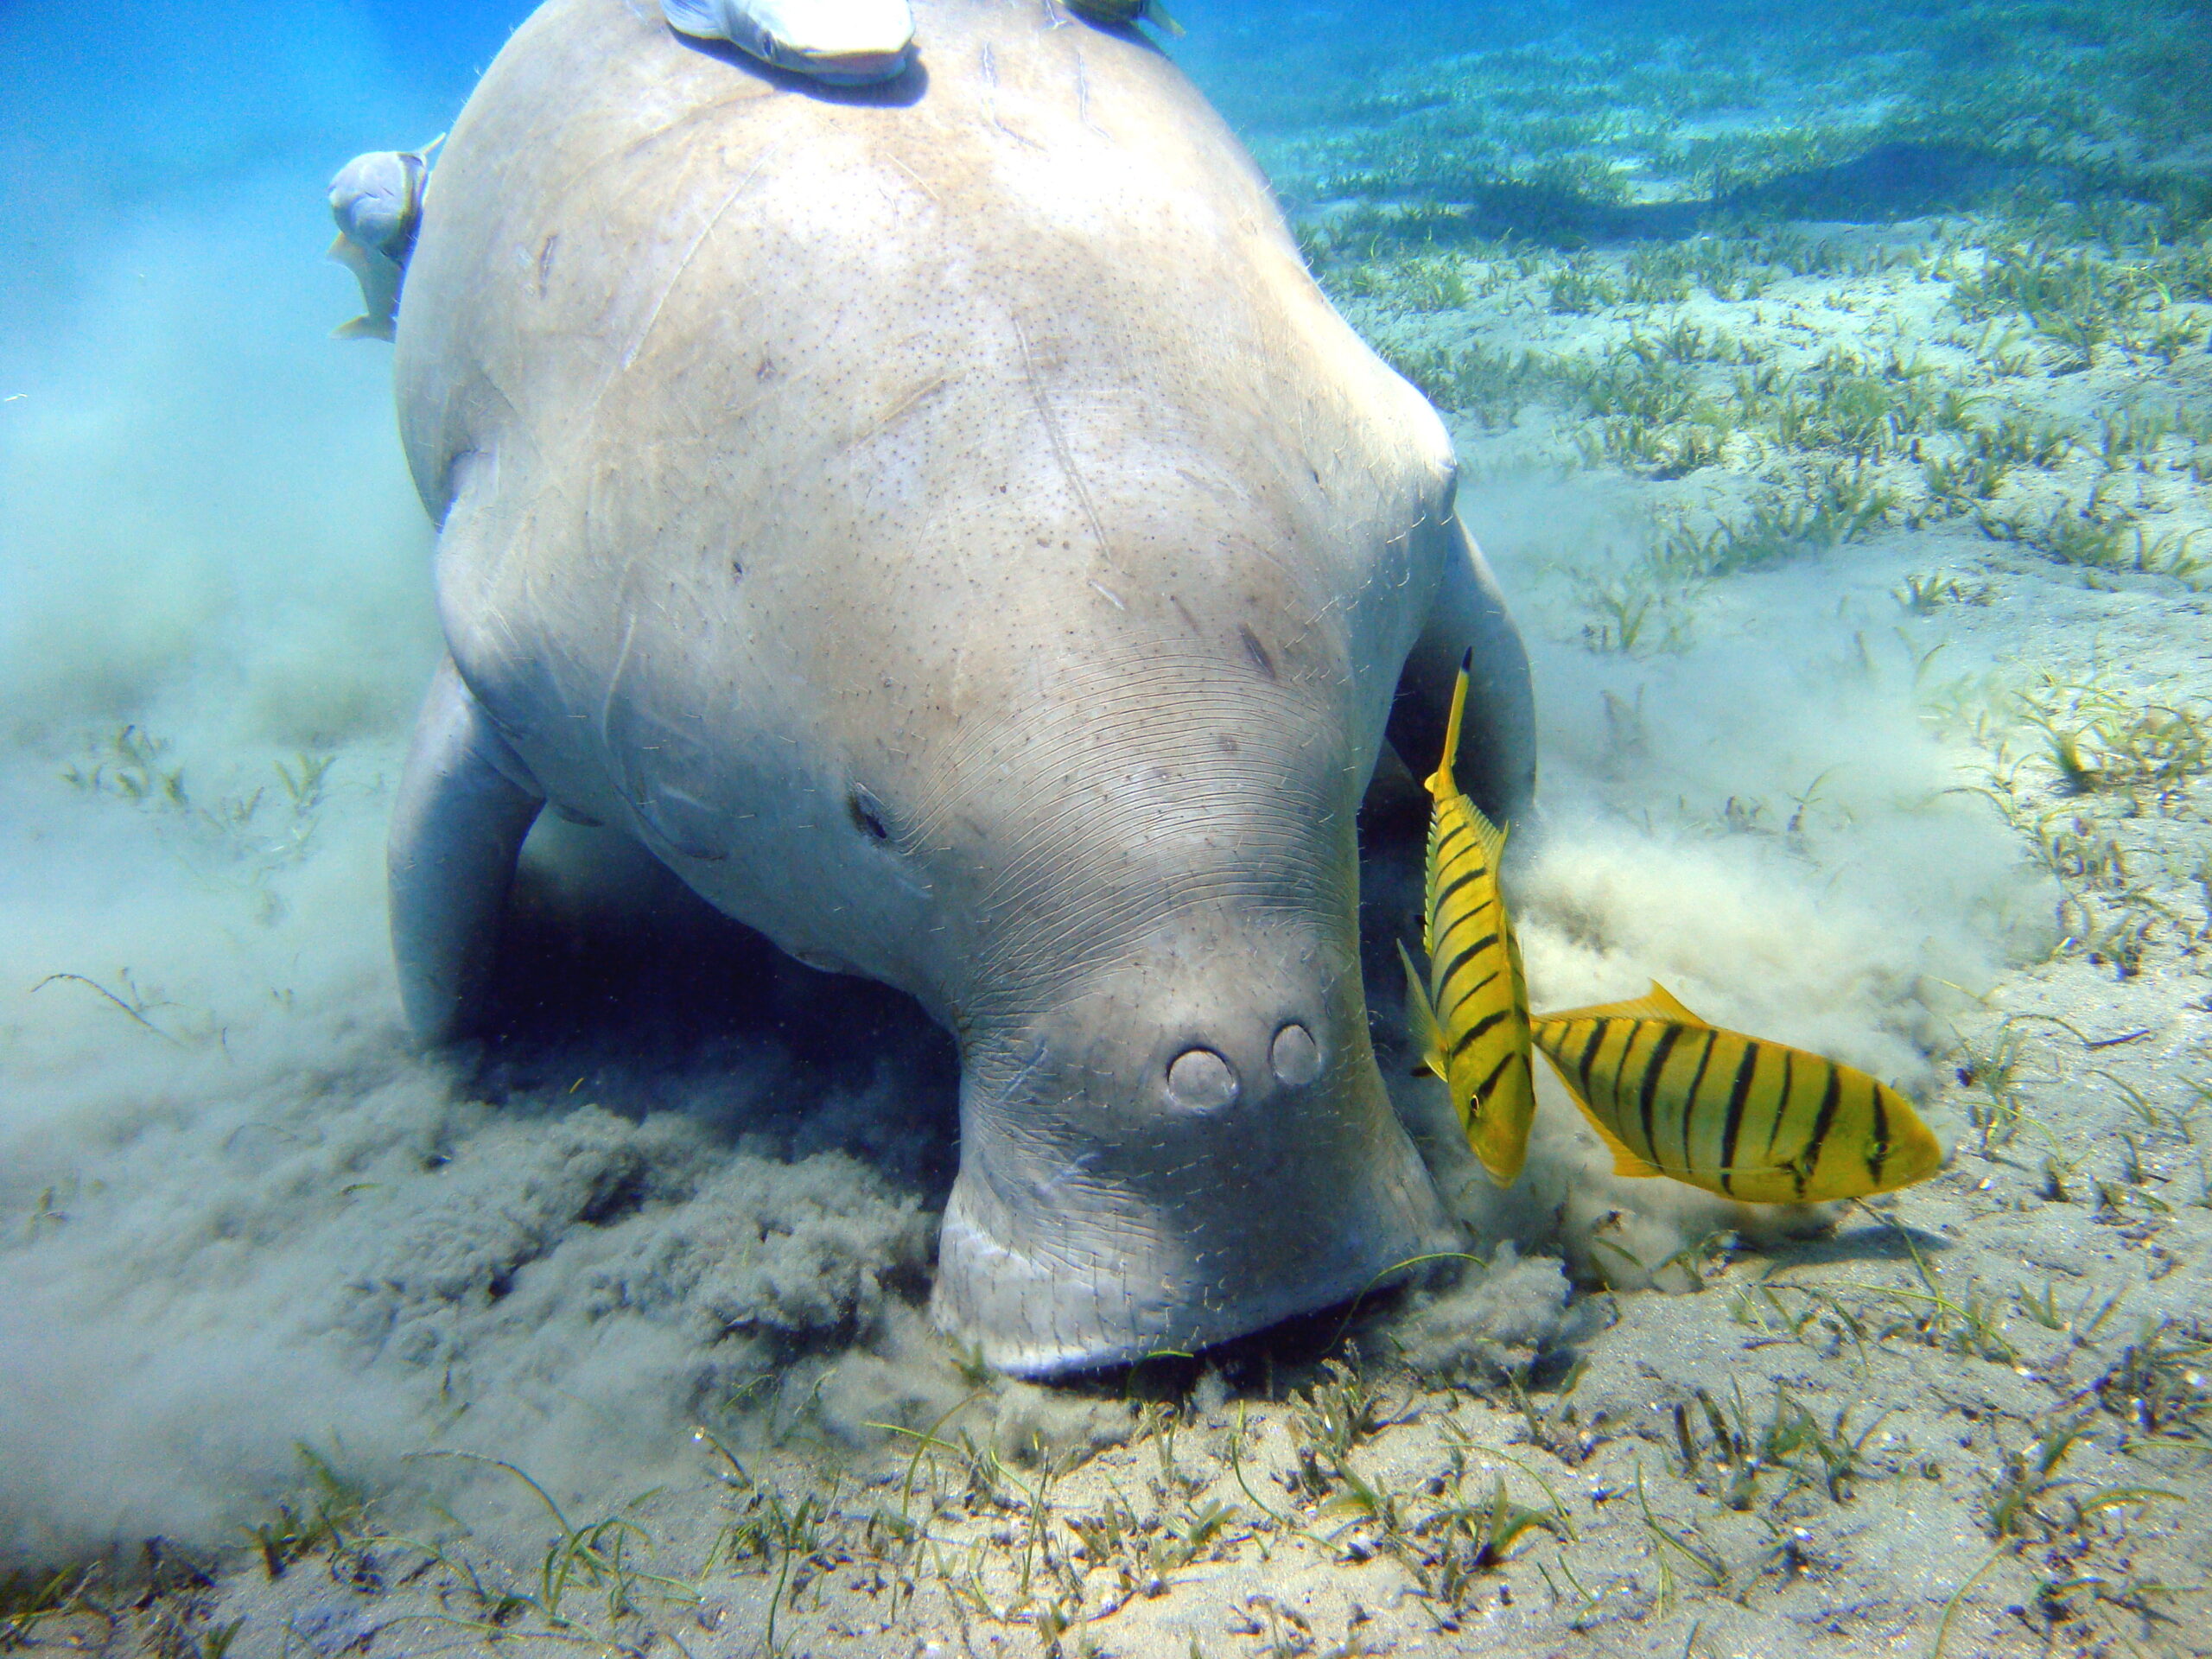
(867, 814)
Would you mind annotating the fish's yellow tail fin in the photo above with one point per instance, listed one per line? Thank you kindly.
(1440, 784)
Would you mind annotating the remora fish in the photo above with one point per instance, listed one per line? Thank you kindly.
(839, 42)
(377, 199)
(1116, 12)
(1673, 1096)
(1472, 1016)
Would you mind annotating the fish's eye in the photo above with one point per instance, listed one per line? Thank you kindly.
(868, 816)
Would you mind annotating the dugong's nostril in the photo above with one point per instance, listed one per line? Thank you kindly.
(1296, 1057)
(1201, 1080)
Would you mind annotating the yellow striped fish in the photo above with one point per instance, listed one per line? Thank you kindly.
(1673, 1096)
(1472, 1016)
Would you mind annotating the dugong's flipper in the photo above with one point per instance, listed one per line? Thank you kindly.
(843, 43)
(377, 199)
(1497, 755)
(465, 804)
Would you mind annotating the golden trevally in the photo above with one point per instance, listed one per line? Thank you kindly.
(1762, 1121)
(1472, 1016)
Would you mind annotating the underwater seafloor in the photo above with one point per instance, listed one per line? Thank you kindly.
(1833, 399)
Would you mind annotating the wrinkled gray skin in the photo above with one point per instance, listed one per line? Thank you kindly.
(949, 528)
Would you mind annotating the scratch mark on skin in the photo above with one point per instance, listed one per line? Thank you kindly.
(614, 687)
(900, 410)
(1083, 95)
(1059, 442)
(990, 65)
(917, 178)
(653, 318)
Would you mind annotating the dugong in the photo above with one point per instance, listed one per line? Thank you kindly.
(946, 523)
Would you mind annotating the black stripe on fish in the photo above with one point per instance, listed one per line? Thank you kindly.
(1782, 1100)
(1619, 1073)
(1697, 1083)
(1590, 1052)
(1461, 1000)
(1460, 960)
(1485, 1023)
(1483, 1088)
(1456, 827)
(1878, 1154)
(1458, 881)
(1783, 1117)
(1822, 1124)
(1467, 996)
(1654, 1064)
(1472, 916)
(1451, 865)
(1738, 1091)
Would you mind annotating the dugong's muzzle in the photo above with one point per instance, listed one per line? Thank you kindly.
(1191, 1144)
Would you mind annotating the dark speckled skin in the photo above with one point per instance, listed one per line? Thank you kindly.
(947, 526)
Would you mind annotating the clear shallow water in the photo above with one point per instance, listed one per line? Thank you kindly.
(245, 1215)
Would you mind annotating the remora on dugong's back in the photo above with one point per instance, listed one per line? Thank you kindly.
(946, 523)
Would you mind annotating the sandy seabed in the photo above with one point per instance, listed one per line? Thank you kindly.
(1857, 551)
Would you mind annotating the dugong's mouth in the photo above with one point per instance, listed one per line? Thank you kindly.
(1039, 1317)
(1058, 1256)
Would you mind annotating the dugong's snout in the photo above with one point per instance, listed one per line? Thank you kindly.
(1193, 1145)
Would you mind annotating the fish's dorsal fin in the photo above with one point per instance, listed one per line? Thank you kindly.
(703, 20)
(1668, 1004)
(1426, 1030)
(348, 252)
(1625, 1163)
(1440, 784)
(1657, 1003)
(1489, 836)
